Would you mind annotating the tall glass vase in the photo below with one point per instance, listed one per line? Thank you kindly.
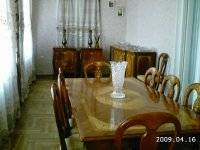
(118, 72)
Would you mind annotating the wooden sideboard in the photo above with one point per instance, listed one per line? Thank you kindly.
(72, 61)
(88, 55)
(67, 59)
(138, 62)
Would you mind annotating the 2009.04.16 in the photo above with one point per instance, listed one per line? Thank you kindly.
(168, 139)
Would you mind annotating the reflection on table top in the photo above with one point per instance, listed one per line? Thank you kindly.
(97, 114)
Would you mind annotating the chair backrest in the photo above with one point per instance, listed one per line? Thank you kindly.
(70, 56)
(152, 121)
(88, 55)
(152, 78)
(56, 105)
(63, 131)
(168, 87)
(101, 69)
(162, 63)
(188, 91)
(67, 59)
(63, 92)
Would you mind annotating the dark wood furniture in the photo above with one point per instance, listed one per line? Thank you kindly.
(72, 61)
(152, 78)
(171, 87)
(152, 121)
(88, 55)
(138, 62)
(63, 129)
(67, 59)
(67, 139)
(98, 115)
(162, 64)
(101, 69)
(63, 92)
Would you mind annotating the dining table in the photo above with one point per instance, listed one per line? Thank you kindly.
(97, 114)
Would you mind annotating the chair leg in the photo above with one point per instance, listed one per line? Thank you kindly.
(62, 143)
(62, 138)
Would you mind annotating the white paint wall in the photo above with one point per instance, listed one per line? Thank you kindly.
(44, 34)
(44, 30)
(152, 23)
(113, 26)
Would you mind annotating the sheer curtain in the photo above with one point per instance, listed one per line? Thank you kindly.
(9, 99)
(27, 67)
(188, 43)
(77, 17)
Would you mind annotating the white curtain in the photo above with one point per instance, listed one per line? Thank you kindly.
(27, 68)
(9, 99)
(77, 17)
(188, 43)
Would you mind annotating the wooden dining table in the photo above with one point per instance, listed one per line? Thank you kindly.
(97, 115)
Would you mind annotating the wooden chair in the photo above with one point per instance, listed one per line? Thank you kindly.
(88, 55)
(63, 130)
(162, 64)
(64, 94)
(67, 140)
(152, 78)
(152, 121)
(168, 87)
(67, 59)
(188, 91)
(101, 69)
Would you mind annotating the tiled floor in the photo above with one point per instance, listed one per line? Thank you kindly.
(36, 129)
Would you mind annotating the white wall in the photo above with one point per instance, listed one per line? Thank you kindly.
(44, 30)
(44, 34)
(152, 23)
(113, 26)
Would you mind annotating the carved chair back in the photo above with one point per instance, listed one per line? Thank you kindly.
(152, 121)
(101, 69)
(152, 78)
(63, 92)
(88, 55)
(67, 59)
(170, 87)
(162, 64)
(63, 131)
(188, 91)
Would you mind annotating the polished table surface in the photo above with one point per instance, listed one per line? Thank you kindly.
(97, 114)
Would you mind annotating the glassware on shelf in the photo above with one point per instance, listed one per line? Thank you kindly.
(118, 73)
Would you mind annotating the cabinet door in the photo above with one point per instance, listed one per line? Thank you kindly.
(66, 58)
(57, 57)
(88, 55)
(144, 61)
(112, 49)
(119, 55)
(130, 69)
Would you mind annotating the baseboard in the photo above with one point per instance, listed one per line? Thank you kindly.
(39, 77)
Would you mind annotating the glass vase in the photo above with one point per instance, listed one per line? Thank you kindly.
(118, 72)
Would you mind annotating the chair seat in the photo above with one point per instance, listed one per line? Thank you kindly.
(141, 78)
(73, 143)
